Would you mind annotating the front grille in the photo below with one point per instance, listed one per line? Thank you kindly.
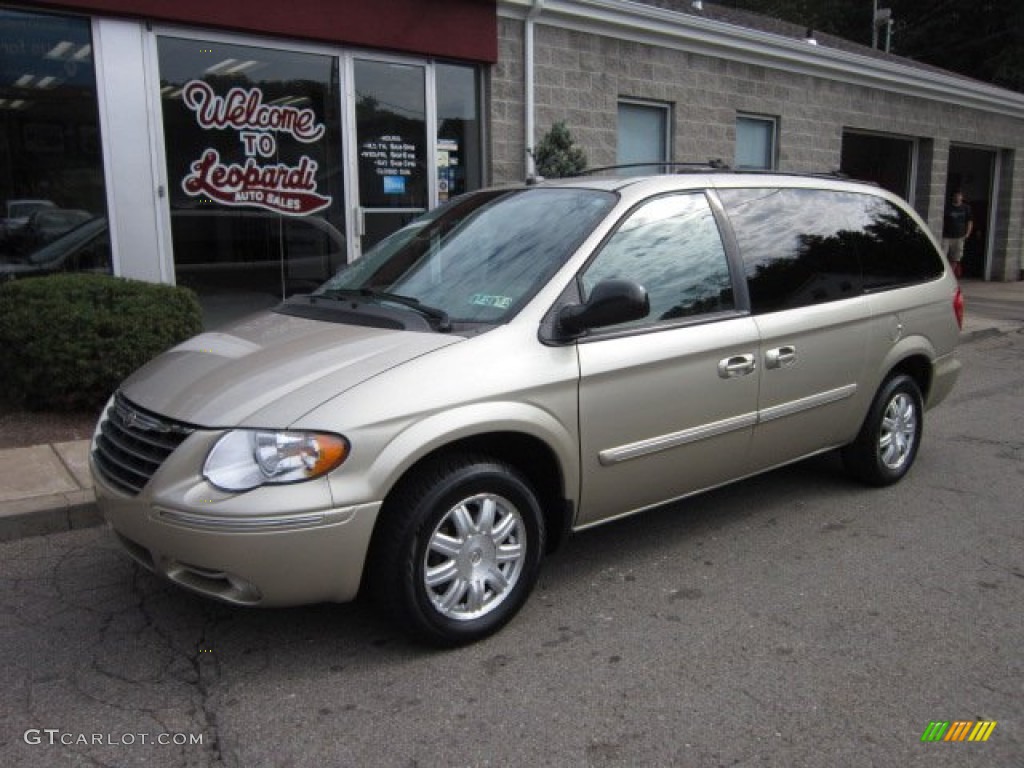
(132, 444)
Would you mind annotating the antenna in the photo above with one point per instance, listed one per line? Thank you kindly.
(881, 17)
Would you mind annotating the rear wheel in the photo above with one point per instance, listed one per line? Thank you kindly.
(458, 549)
(888, 441)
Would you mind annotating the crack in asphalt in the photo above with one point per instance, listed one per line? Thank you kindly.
(204, 667)
(207, 669)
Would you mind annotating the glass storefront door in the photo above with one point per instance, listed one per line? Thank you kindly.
(391, 140)
(255, 182)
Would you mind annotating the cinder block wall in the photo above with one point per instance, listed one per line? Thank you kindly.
(580, 77)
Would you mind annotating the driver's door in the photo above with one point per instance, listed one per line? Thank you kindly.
(667, 404)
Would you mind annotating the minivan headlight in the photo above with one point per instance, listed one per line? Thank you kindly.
(244, 459)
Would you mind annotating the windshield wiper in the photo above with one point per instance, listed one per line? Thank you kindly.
(444, 323)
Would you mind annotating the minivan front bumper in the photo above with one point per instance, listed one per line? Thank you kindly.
(284, 560)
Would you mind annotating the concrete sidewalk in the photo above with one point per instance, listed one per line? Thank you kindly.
(47, 488)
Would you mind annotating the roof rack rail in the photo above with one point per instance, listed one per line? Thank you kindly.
(833, 174)
(714, 164)
(717, 164)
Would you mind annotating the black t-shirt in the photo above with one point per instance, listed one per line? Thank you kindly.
(957, 218)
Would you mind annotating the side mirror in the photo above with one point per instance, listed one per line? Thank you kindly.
(610, 303)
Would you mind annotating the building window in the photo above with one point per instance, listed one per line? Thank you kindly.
(253, 148)
(643, 136)
(52, 192)
(755, 142)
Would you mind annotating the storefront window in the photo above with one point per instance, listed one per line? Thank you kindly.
(458, 130)
(254, 169)
(51, 165)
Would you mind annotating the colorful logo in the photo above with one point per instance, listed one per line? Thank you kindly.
(958, 730)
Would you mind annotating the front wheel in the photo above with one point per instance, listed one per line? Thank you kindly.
(458, 549)
(888, 441)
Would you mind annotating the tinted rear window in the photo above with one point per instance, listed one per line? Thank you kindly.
(807, 246)
(898, 252)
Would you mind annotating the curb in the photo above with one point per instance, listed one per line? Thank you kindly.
(46, 489)
(49, 514)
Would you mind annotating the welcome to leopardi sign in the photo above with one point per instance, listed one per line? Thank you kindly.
(278, 187)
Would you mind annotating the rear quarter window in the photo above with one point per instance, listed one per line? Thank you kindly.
(808, 246)
(897, 251)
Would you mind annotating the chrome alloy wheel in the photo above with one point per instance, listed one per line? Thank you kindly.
(899, 429)
(474, 557)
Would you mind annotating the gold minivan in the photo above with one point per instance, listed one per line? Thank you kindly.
(519, 364)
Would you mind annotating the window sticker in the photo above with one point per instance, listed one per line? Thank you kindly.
(394, 185)
(487, 300)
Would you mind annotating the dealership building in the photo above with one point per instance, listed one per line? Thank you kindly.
(247, 149)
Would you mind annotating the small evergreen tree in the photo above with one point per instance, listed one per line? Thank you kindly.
(556, 156)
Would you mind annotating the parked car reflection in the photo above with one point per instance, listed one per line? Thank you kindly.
(243, 261)
(234, 248)
(47, 224)
(86, 248)
(238, 262)
(16, 216)
(253, 250)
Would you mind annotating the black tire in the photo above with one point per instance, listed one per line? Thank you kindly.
(475, 526)
(886, 447)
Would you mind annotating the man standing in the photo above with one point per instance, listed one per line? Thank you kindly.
(956, 228)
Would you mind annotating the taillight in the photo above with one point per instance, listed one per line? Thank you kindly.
(958, 308)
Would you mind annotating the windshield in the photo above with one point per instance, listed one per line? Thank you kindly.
(481, 256)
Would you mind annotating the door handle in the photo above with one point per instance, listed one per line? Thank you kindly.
(737, 365)
(780, 357)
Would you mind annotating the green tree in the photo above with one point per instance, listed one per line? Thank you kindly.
(556, 155)
(983, 40)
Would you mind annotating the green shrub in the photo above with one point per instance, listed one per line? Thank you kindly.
(68, 340)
